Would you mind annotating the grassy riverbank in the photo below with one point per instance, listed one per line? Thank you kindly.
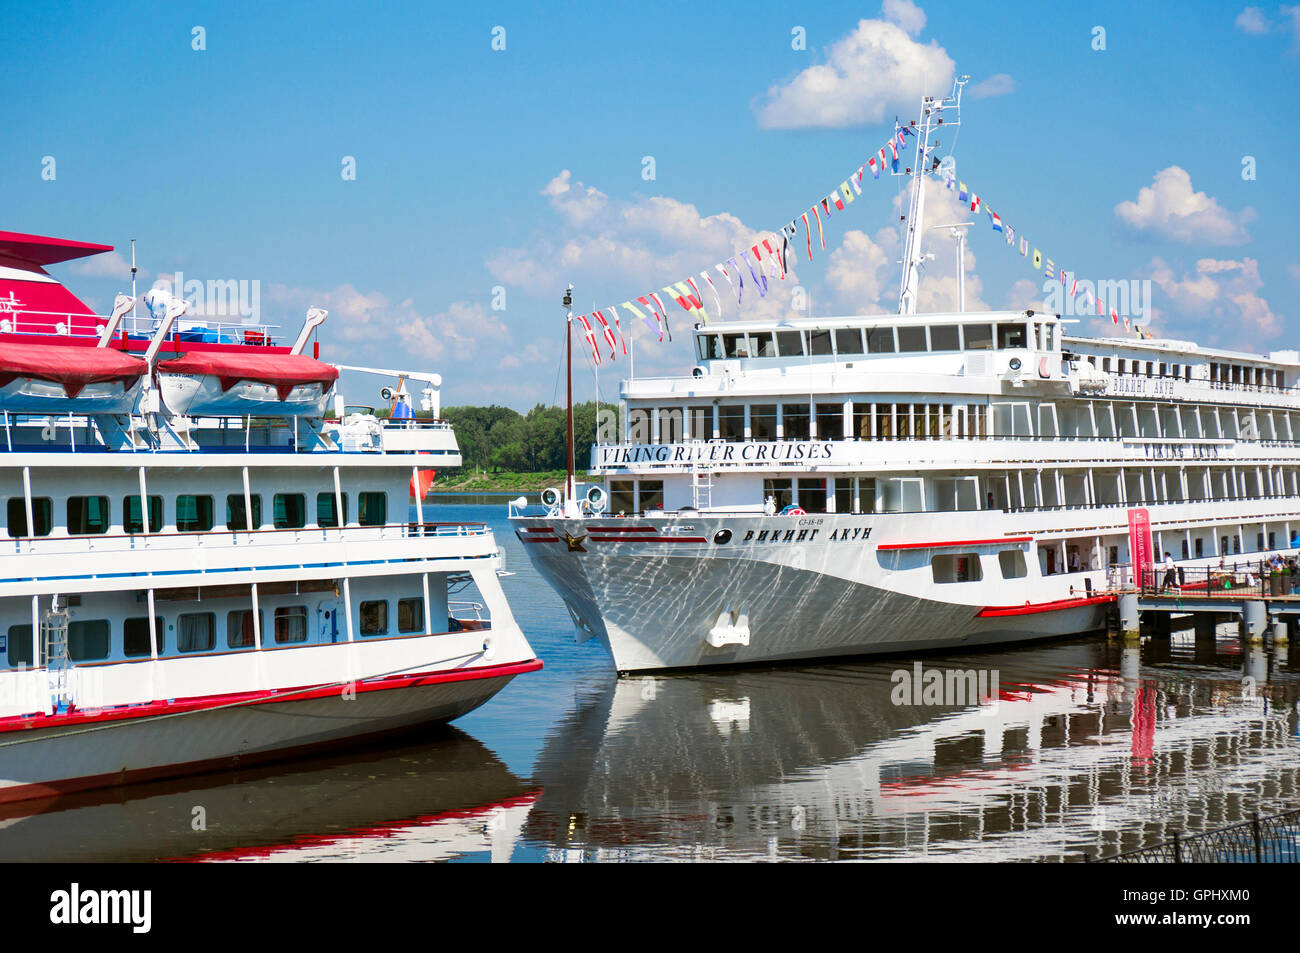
(504, 481)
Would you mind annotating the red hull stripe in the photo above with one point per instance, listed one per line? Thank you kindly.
(648, 539)
(268, 696)
(1033, 608)
(957, 542)
(386, 830)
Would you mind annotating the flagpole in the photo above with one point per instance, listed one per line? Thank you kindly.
(569, 489)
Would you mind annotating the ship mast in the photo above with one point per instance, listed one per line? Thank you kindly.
(570, 490)
(931, 117)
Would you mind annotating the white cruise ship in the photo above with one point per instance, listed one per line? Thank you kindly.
(200, 567)
(819, 487)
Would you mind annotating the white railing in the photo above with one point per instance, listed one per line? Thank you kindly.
(225, 539)
(209, 330)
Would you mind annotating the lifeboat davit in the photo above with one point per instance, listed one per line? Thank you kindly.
(57, 379)
(240, 383)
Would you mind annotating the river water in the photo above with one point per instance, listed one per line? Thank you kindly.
(1091, 747)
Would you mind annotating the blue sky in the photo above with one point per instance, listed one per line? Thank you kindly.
(225, 162)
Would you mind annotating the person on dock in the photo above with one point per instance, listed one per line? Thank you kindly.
(1170, 572)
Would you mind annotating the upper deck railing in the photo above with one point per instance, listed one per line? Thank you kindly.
(188, 542)
(139, 329)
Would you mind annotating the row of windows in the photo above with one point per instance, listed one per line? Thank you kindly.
(1218, 372)
(898, 421)
(194, 513)
(849, 342)
(91, 640)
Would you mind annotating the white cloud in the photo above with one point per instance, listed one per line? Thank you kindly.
(1220, 299)
(1252, 20)
(999, 84)
(106, 265)
(578, 205)
(1293, 13)
(906, 14)
(1025, 294)
(366, 328)
(628, 248)
(1170, 208)
(874, 72)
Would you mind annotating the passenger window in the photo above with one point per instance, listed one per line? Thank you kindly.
(737, 345)
(133, 522)
(848, 341)
(373, 508)
(196, 632)
(977, 337)
(87, 515)
(410, 615)
(236, 518)
(374, 618)
(42, 516)
(819, 342)
(88, 641)
(1012, 562)
(239, 629)
(290, 624)
(193, 514)
(290, 511)
(944, 338)
(327, 510)
(789, 343)
(880, 340)
(957, 567)
(135, 637)
(1011, 335)
(911, 339)
(18, 649)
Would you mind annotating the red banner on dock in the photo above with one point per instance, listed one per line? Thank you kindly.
(1139, 543)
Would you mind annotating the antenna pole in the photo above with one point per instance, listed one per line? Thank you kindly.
(133, 296)
(913, 258)
(570, 491)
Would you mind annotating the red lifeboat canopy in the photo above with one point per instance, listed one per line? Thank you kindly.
(284, 372)
(73, 367)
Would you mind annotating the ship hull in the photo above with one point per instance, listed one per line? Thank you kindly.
(678, 599)
(222, 734)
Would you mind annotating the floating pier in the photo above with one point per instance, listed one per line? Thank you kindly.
(1265, 603)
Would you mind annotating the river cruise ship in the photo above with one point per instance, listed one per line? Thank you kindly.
(818, 487)
(202, 567)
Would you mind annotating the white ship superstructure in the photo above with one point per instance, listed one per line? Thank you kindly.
(199, 567)
(820, 487)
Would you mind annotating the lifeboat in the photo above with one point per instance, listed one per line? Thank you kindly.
(230, 383)
(55, 379)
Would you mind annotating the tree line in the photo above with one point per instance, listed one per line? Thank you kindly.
(499, 438)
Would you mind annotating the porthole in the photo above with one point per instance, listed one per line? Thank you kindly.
(722, 537)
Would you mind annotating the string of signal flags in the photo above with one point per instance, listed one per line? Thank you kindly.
(771, 251)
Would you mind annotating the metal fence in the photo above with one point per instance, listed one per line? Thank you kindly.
(1258, 579)
(1261, 840)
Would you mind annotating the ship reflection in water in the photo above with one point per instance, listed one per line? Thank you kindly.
(443, 798)
(1092, 747)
